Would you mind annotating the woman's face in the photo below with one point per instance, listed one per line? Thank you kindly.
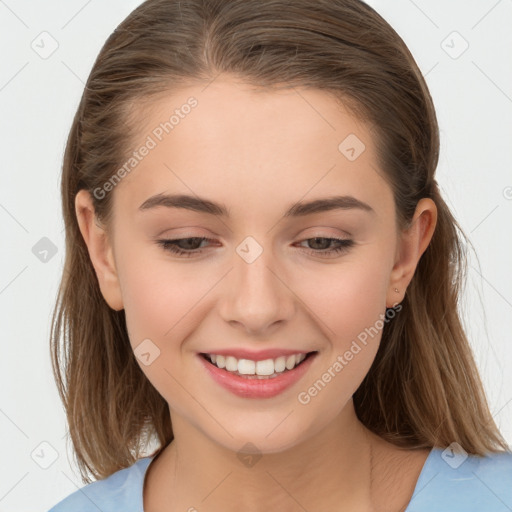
(257, 169)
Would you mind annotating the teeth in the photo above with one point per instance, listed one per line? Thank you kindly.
(231, 364)
(246, 367)
(290, 362)
(263, 368)
(280, 364)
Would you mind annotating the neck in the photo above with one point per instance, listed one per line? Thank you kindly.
(331, 467)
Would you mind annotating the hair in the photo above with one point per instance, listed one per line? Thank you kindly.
(423, 389)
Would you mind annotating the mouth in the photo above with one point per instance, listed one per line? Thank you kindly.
(261, 369)
(267, 375)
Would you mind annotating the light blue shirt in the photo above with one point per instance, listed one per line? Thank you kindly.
(448, 482)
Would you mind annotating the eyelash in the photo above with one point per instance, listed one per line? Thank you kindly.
(170, 246)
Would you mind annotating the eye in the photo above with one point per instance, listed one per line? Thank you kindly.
(191, 245)
(342, 245)
(188, 247)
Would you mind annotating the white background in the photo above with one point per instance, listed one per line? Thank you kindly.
(38, 98)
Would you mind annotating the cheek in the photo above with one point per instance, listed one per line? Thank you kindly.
(349, 306)
(161, 308)
(347, 298)
(159, 299)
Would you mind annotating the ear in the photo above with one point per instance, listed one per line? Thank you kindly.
(411, 245)
(100, 250)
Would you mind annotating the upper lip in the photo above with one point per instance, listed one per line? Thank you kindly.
(260, 355)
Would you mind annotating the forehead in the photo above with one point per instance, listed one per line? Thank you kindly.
(249, 147)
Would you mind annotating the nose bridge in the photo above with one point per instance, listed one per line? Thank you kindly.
(256, 296)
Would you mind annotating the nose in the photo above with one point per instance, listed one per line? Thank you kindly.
(257, 297)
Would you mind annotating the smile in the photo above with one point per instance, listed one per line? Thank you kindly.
(258, 377)
(264, 368)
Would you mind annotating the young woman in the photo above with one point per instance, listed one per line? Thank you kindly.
(261, 274)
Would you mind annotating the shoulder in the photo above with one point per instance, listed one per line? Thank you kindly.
(455, 481)
(120, 491)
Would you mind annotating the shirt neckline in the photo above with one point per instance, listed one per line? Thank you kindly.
(146, 461)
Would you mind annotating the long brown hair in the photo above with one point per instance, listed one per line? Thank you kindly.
(423, 389)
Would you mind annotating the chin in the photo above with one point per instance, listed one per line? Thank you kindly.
(262, 436)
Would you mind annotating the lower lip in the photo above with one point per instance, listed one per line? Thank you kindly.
(254, 387)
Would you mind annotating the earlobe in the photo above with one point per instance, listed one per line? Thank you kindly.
(412, 244)
(100, 250)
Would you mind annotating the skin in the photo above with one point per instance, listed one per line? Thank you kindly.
(258, 153)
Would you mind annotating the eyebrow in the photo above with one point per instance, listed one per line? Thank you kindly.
(299, 209)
